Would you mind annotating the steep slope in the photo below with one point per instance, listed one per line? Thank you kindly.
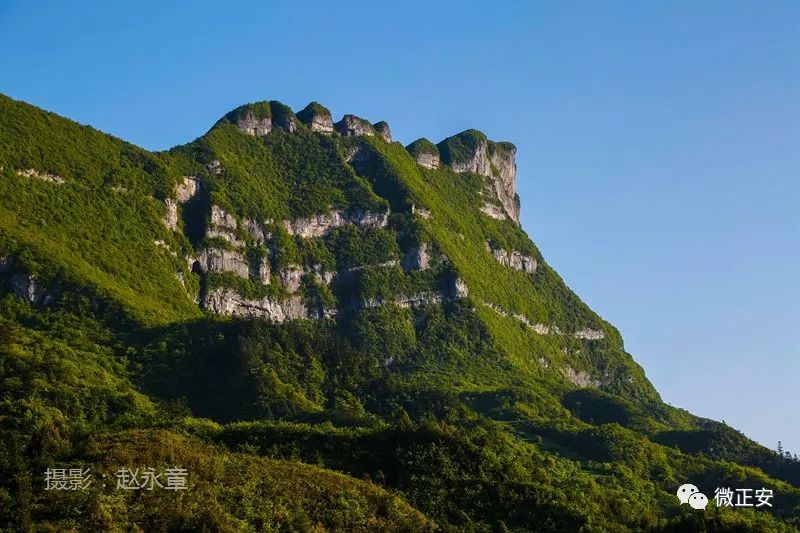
(320, 293)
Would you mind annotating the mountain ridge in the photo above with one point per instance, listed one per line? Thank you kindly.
(300, 289)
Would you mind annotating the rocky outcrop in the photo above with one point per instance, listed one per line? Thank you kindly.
(425, 152)
(40, 175)
(467, 151)
(215, 167)
(260, 118)
(221, 218)
(283, 117)
(493, 211)
(471, 151)
(317, 118)
(291, 277)
(589, 334)
(513, 259)
(417, 258)
(428, 160)
(456, 289)
(219, 261)
(187, 188)
(29, 288)
(171, 214)
(253, 124)
(26, 287)
(541, 329)
(226, 301)
(580, 378)
(257, 232)
(382, 128)
(421, 212)
(319, 225)
(320, 274)
(353, 126)
(502, 156)
(223, 225)
(262, 271)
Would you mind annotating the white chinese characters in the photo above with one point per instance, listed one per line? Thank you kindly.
(67, 479)
(57, 479)
(725, 497)
(148, 479)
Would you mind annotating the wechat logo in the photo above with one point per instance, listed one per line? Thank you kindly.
(688, 493)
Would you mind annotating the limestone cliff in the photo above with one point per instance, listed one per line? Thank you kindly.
(471, 151)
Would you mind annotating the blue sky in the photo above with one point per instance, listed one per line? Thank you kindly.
(658, 143)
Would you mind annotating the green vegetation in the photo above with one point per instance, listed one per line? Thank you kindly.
(405, 410)
(314, 109)
(257, 110)
(460, 147)
(422, 146)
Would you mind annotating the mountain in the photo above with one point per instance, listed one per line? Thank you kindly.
(328, 331)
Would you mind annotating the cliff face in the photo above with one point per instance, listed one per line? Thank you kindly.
(504, 176)
(471, 151)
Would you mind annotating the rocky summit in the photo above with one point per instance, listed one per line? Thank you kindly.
(327, 330)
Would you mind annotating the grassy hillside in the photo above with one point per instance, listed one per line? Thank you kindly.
(462, 413)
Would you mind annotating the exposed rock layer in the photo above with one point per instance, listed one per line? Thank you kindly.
(513, 259)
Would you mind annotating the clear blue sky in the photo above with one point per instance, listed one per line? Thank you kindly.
(658, 142)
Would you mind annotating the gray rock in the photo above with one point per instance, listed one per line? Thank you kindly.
(251, 124)
(264, 272)
(221, 219)
(428, 160)
(215, 167)
(353, 126)
(171, 215)
(317, 118)
(477, 162)
(382, 128)
(40, 175)
(589, 334)
(256, 231)
(513, 259)
(187, 188)
(417, 258)
(218, 261)
(502, 156)
(286, 122)
(226, 301)
(458, 289)
(27, 287)
(319, 225)
(322, 124)
(291, 278)
(471, 151)
(320, 274)
(580, 378)
(223, 225)
(493, 211)
(421, 211)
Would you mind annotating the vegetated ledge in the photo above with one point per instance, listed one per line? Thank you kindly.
(226, 301)
(468, 151)
(586, 333)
